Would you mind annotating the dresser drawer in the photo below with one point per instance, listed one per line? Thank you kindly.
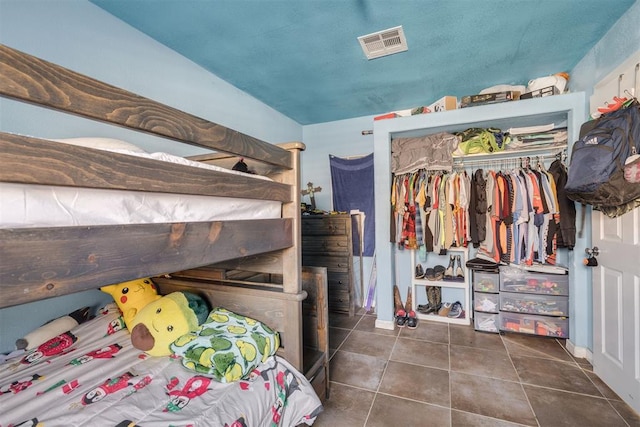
(325, 245)
(325, 225)
(333, 264)
(339, 281)
(339, 301)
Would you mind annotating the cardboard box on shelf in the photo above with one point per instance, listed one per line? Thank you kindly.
(489, 98)
(539, 93)
(445, 103)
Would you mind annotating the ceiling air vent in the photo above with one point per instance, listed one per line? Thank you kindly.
(383, 43)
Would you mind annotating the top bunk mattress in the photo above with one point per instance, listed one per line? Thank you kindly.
(27, 206)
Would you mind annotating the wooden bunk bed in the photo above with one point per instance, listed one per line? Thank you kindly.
(252, 267)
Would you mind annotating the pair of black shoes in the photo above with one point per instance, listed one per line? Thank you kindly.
(406, 319)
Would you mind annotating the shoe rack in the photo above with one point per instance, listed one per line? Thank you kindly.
(459, 288)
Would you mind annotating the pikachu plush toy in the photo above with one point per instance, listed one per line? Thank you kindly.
(132, 296)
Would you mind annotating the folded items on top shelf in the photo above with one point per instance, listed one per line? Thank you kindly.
(533, 139)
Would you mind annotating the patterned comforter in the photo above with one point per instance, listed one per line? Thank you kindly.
(93, 376)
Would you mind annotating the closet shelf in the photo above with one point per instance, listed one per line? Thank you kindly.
(442, 283)
(510, 154)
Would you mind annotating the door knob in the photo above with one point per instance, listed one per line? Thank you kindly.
(590, 260)
(594, 251)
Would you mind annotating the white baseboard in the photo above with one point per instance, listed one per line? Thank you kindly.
(579, 352)
(385, 324)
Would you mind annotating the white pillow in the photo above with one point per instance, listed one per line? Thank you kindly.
(108, 144)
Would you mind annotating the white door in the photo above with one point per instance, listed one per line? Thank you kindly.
(616, 281)
(616, 304)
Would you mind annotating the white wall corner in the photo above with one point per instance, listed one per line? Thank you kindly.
(385, 324)
(579, 352)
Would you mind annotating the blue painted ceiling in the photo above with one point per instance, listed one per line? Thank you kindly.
(302, 57)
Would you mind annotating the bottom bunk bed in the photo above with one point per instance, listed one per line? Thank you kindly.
(93, 375)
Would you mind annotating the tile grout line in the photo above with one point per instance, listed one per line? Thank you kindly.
(502, 339)
(603, 395)
(346, 336)
(450, 383)
(386, 366)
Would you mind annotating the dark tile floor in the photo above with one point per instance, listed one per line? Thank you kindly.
(451, 375)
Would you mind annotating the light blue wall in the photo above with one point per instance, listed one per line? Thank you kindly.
(622, 40)
(84, 38)
(340, 138)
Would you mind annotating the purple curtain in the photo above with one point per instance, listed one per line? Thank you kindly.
(352, 188)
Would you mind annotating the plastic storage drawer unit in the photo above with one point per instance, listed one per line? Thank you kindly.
(513, 279)
(484, 302)
(486, 322)
(548, 305)
(534, 324)
(486, 282)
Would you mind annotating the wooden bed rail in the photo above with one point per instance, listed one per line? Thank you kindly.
(30, 79)
(29, 160)
(32, 267)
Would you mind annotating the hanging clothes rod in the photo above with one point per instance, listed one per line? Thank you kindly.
(508, 157)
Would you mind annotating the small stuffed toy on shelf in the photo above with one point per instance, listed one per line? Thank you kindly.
(132, 296)
(164, 320)
(53, 328)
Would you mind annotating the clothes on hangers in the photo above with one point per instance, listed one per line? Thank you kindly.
(566, 236)
(511, 216)
(431, 209)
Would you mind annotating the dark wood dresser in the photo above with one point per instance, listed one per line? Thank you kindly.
(327, 242)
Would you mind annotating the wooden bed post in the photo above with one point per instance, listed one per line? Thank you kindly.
(292, 257)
